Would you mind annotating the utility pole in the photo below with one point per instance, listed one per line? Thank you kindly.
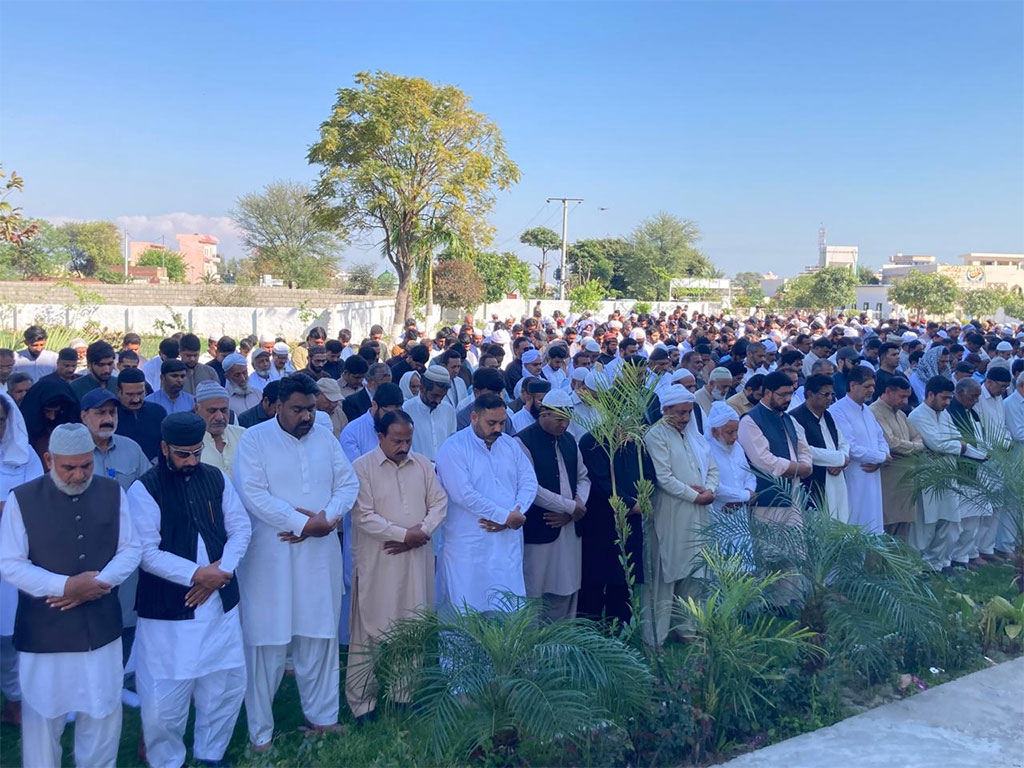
(565, 239)
(126, 253)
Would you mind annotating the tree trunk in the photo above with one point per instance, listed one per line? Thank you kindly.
(430, 286)
(402, 299)
(543, 274)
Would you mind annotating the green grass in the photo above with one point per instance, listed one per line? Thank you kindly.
(397, 741)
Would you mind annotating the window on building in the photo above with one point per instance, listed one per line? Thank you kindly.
(867, 305)
(878, 308)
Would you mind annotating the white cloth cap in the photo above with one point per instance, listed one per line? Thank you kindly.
(580, 374)
(596, 381)
(675, 396)
(1004, 346)
(721, 414)
(591, 345)
(501, 336)
(720, 374)
(438, 374)
(280, 348)
(908, 336)
(557, 398)
(530, 356)
(770, 346)
(232, 360)
(638, 334)
(267, 338)
(851, 333)
(71, 440)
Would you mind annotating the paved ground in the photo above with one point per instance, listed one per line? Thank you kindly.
(974, 722)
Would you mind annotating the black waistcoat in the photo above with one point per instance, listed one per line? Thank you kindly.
(815, 482)
(780, 433)
(69, 535)
(187, 508)
(541, 446)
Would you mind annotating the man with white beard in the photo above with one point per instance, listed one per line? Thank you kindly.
(67, 553)
(716, 390)
(296, 484)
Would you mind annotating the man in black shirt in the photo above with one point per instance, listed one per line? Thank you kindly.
(137, 418)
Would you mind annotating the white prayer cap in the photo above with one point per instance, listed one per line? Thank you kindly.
(596, 381)
(78, 343)
(770, 346)
(615, 324)
(638, 334)
(501, 336)
(720, 415)
(530, 356)
(720, 374)
(1004, 346)
(676, 376)
(438, 374)
(280, 348)
(908, 336)
(591, 346)
(478, 332)
(675, 396)
(210, 390)
(580, 374)
(942, 335)
(71, 440)
(267, 338)
(851, 333)
(557, 398)
(232, 360)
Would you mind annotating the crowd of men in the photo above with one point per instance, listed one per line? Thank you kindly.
(207, 518)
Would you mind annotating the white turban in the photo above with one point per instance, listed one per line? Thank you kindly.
(675, 396)
(720, 415)
(71, 440)
(501, 336)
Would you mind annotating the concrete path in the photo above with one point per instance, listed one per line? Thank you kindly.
(974, 722)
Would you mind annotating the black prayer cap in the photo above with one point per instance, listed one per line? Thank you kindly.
(185, 428)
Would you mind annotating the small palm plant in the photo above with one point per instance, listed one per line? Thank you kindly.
(617, 418)
(486, 682)
(998, 483)
(851, 587)
(739, 651)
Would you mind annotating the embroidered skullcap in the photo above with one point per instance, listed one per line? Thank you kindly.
(530, 356)
(71, 440)
(280, 348)
(720, 415)
(438, 374)
(209, 390)
(720, 374)
(675, 396)
(770, 346)
(232, 360)
(184, 428)
(557, 398)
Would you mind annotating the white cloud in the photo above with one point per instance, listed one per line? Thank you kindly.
(167, 225)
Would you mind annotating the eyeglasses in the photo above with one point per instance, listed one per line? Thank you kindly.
(180, 454)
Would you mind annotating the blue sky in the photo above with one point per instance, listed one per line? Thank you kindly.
(900, 127)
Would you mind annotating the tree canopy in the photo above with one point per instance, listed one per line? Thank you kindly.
(546, 240)
(933, 293)
(95, 249)
(45, 254)
(457, 285)
(169, 260)
(595, 259)
(829, 288)
(280, 228)
(663, 248)
(502, 274)
(403, 157)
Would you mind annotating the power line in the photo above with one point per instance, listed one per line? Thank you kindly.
(522, 228)
(565, 238)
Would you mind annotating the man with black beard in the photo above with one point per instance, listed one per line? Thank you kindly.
(193, 530)
(533, 391)
(66, 542)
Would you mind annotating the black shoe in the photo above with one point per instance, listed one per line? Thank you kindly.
(369, 717)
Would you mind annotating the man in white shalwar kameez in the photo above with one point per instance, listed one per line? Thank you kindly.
(993, 428)
(490, 484)
(686, 481)
(189, 637)
(68, 627)
(18, 464)
(296, 485)
(432, 414)
(869, 450)
(937, 528)
(966, 394)
(737, 485)
(830, 455)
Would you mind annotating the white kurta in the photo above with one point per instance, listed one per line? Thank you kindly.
(940, 436)
(290, 590)
(476, 566)
(522, 419)
(431, 427)
(1013, 413)
(836, 494)
(54, 684)
(735, 480)
(212, 640)
(867, 446)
